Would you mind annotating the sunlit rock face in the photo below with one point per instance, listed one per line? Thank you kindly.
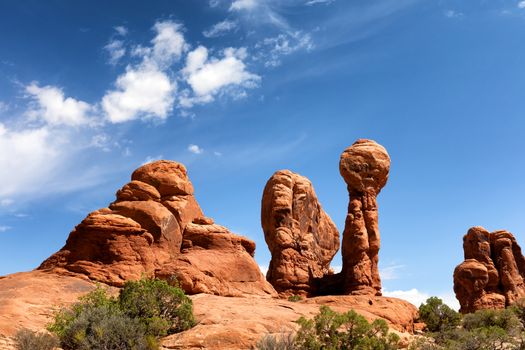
(155, 227)
(364, 166)
(492, 275)
(300, 235)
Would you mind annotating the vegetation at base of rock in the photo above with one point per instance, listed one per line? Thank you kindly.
(438, 316)
(482, 330)
(330, 330)
(26, 339)
(295, 298)
(144, 311)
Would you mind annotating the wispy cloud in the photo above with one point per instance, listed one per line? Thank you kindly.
(316, 2)
(390, 272)
(453, 14)
(4, 228)
(220, 29)
(521, 4)
(272, 49)
(150, 159)
(243, 5)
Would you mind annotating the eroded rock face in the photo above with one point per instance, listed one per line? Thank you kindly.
(156, 228)
(300, 235)
(492, 275)
(364, 166)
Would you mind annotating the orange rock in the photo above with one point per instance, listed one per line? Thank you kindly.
(492, 275)
(29, 299)
(300, 235)
(364, 167)
(156, 228)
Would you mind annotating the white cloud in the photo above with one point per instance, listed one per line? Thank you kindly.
(121, 30)
(264, 269)
(220, 28)
(211, 76)
(218, 154)
(315, 2)
(28, 157)
(140, 92)
(54, 109)
(195, 149)
(4, 228)
(168, 44)
(214, 3)
(417, 297)
(239, 5)
(390, 272)
(116, 51)
(3, 107)
(146, 90)
(521, 4)
(271, 49)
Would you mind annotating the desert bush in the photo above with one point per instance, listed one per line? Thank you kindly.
(144, 311)
(295, 298)
(281, 341)
(330, 330)
(481, 330)
(26, 339)
(438, 316)
(164, 309)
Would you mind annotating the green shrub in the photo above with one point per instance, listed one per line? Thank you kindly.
(26, 339)
(438, 316)
(144, 311)
(330, 330)
(164, 309)
(295, 298)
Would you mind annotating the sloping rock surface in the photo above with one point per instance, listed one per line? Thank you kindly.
(492, 275)
(223, 323)
(155, 227)
(300, 235)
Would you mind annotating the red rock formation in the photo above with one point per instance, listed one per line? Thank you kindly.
(300, 235)
(364, 167)
(492, 275)
(156, 227)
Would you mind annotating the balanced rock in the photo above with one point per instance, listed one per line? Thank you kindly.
(156, 228)
(492, 275)
(300, 235)
(364, 166)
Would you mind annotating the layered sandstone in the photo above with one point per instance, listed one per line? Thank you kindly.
(155, 227)
(364, 166)
(300, 235)
(492, 275)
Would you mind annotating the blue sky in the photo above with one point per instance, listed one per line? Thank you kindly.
(236, 90)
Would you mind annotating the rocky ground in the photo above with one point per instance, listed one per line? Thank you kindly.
(28, 299)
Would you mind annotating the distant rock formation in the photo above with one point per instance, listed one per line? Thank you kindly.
(156, 228)
(492, 275)
(300, 235)
(364, 166)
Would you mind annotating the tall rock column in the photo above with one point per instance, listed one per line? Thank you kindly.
(364, 166)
